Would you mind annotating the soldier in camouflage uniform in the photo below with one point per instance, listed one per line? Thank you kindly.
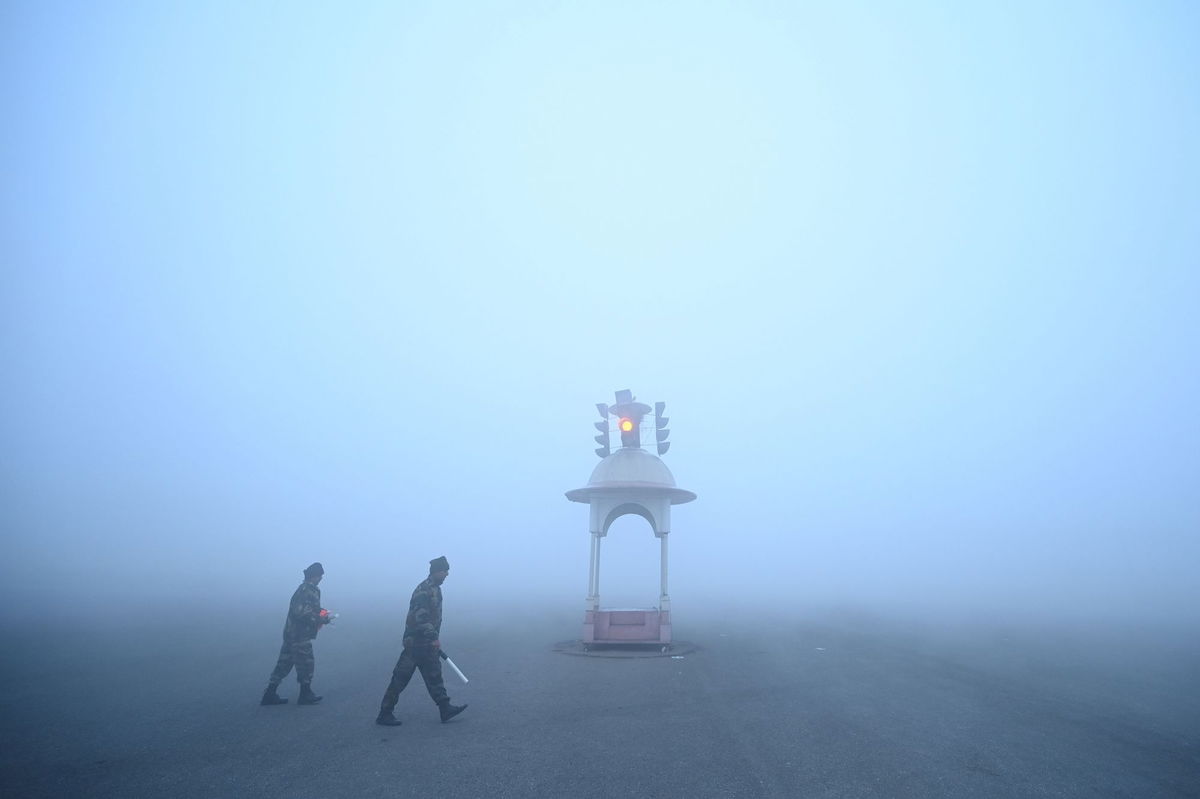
(304, 619)
(422, 648)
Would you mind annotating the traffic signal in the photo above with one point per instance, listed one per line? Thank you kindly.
(629, 413)
(660, 427)
(605, 449)
(630, 431)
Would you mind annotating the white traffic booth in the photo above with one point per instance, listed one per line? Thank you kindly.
(629, 481)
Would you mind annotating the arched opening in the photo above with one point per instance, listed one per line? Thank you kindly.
(630, 573)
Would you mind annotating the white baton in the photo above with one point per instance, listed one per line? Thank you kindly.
(453, 668)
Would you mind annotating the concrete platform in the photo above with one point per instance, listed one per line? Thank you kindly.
(578, 647)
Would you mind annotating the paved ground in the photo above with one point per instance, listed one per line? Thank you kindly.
(820, 705)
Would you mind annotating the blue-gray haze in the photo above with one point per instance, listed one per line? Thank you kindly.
(343, 282)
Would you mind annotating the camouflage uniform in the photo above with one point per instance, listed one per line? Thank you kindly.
(303, 621)
(421, 628)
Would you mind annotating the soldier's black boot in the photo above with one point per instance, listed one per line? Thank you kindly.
(449, 711)
(272, 698)
(386, 718)
(307, 697)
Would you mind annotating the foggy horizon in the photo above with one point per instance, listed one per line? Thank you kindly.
(918, 287)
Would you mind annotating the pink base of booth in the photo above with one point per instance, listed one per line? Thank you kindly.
(650, 626)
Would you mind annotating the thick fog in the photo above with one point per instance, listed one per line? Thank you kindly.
(344, 283)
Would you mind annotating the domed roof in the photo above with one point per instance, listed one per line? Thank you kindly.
(631, 465)
(631, 469)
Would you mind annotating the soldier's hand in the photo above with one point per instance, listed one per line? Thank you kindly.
(437, 646)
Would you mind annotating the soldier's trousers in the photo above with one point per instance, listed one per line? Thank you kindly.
(424, 658)
(298, 654)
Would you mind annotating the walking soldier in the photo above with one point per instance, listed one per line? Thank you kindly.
(422, 628)
(304, 619)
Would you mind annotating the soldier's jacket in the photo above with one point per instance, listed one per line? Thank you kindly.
(304, 614)
(423, 624)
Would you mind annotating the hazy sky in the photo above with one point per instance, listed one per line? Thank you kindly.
(918, 282)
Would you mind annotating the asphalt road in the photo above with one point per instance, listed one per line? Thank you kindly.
(822, 704)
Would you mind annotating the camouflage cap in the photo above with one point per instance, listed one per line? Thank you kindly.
(314, 570)
(439, 564)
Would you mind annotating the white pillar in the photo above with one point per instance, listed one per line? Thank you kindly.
(664, 600)
(591, 568)
(596, 577)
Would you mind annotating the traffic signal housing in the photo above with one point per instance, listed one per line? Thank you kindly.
(631, 433)
(629, 413)
(605, 448)
(661, 431)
